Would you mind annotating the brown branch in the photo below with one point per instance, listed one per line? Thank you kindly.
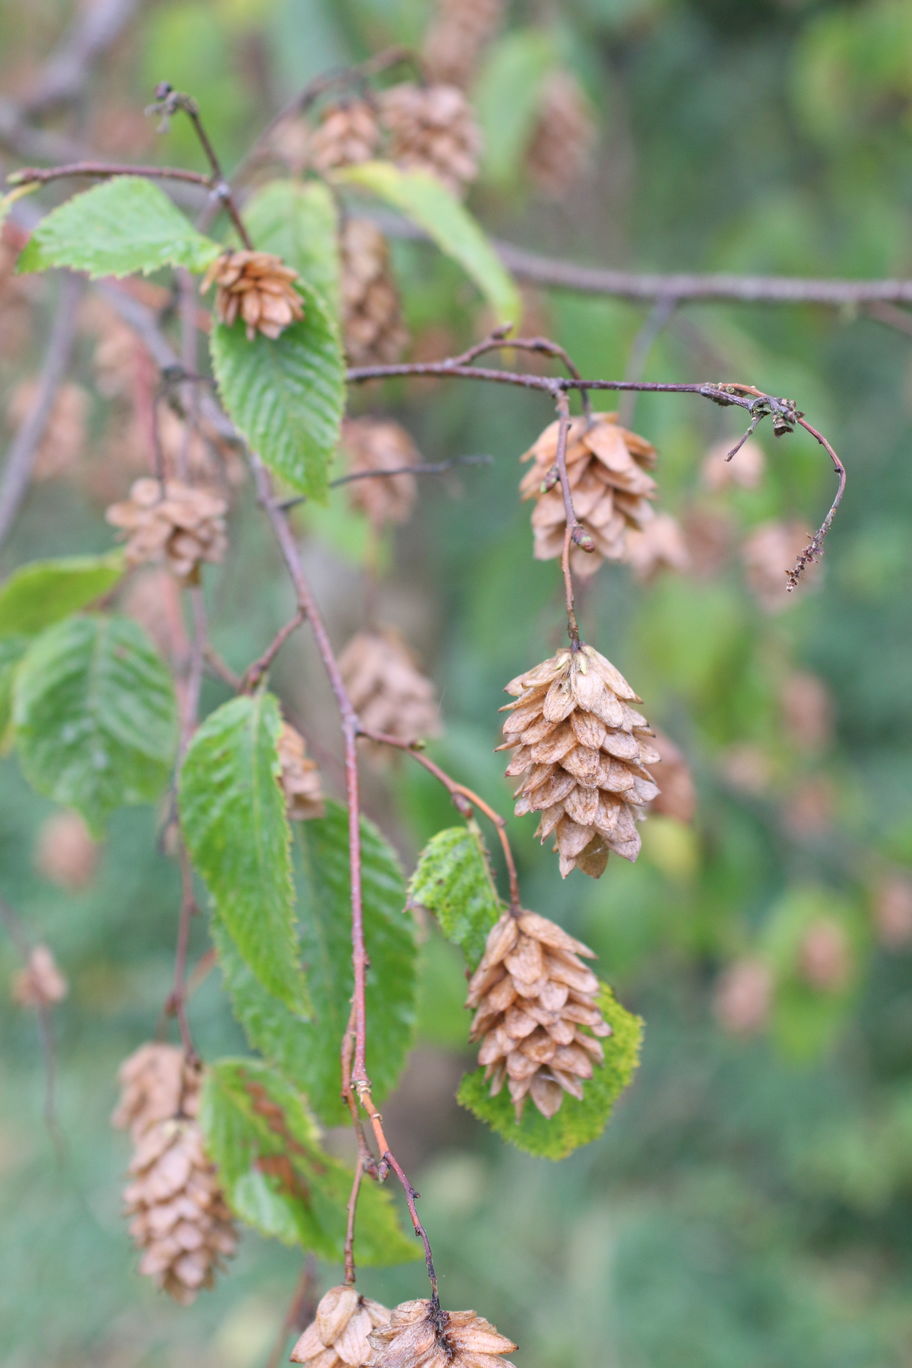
(176, 1004)
(421, 468)
(463, 797)
(36, 175)
(23, 451)
(254, 673)
(574, 532)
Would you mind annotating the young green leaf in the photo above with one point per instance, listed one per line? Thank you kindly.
(429, 204)
(453, 881)
(299, 223)
(41, 593)
(125, 225)
(507, 100)
(577, 1122)
(233, 818)
(12, 649)
(308, 1052)
(287, 394)
(278, 1178)
(94, 716)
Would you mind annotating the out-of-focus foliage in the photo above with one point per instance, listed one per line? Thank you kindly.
(751, 1199)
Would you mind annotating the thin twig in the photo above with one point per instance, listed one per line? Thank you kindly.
(36, 175)
(23, 451)
(44, 1013)
(574, 532)
(657, 319)
(254, 673)
(176, 1005)
(300, 1311)
(422, 468)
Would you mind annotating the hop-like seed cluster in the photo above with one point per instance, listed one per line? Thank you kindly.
(606, 470)
(346, 134)
(658, 547)
(40, 983)
(337, 1336)
(179, 1218)
(387, 690)
(560, 150)
(372, 323)
(300, 778)
(182, 525)
(457, 35)
(582, 750)
(431, 128)
(420, 1334)
(256, 287)
(536, 1012)
(380, 444)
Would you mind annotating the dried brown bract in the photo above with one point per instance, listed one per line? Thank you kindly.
(372, 325)
(582, 750)
(560, 151)
(256, 287)
(386, 687)
(456, 37)
(606, 470)
(65, 852)
(347, 133)
(432, 128)
(181, 525)
(420, 1334)
(156, 1082)
(658, 547)
(337, 1337)
(537, 1013)
(380, 444)
(40, 983)
(677, 797)
(179, 1218)
(300, 778)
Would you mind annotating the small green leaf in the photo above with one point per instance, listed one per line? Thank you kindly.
(308, 1052)
(453, 881)
(577, 1122)
(287, 394)
(42, 592)
(278, 1178)
(299, 223)
(233, 818)
(125, 225)
(94, 716)
(447, 222)
(507, 98)
(12, 649)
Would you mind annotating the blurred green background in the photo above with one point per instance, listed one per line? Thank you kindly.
(750, 1204)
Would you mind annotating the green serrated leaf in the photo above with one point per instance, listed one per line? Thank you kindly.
(126, 225)
(447, 222)
(279, 1179)
(287, 394)
(94, 716)
(453, 881)
(577, 1122)
(42, 592)
(308, 1052)
(507, 98)
(233, 818)
(299, 222)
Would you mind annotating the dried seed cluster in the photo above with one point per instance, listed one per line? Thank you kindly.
(432, 128)
(180, 524)
(582, 750)
(372, 323)
(346, 134)
(179, 1218)
(387, 690)
(40, 983)
(420, 1334)
(456, 37)
(300, 778)
(536, 1012)
(560, 150)
(380, 444)
(337, 1336)
(606, 471)
(256, 287)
